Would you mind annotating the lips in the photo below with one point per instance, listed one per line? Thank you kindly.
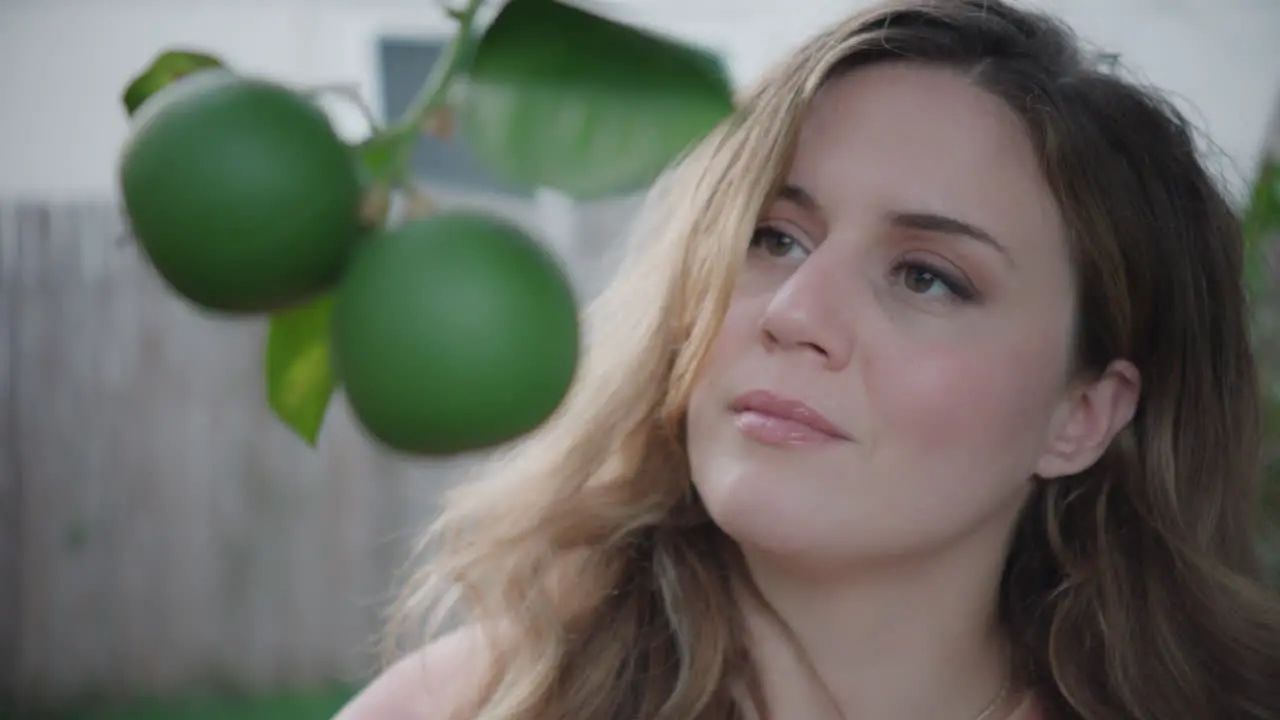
(775, 420)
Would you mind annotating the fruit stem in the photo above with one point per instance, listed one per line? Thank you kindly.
(434, 91)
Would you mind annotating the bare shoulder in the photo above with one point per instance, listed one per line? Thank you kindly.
(438, 682)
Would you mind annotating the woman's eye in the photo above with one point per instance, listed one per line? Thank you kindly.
(924, 279)
(776, 243)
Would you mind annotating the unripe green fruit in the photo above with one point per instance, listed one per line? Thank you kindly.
(454, 333)
(240, 193)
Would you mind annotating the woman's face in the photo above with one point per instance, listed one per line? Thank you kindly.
(912, 286)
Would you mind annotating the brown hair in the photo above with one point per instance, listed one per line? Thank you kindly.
(1131, 590)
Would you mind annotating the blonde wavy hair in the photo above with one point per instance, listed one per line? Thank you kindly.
(1131, 590)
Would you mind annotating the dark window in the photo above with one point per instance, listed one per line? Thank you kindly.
(405, 64)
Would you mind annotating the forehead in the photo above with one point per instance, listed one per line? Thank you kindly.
(905, 136)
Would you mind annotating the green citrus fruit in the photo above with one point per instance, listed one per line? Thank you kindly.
(452, 333)
(240, 192)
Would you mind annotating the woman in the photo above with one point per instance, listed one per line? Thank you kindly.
(926, 394)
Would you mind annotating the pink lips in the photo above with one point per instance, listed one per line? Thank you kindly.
(773, 420)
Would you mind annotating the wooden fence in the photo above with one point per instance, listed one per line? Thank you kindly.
(159, 528)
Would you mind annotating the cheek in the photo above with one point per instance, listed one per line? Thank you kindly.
(737, 332)
(964, 402)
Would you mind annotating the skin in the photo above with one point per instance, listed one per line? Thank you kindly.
(945, 360)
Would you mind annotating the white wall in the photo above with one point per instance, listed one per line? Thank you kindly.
(69, 60)
(65, 62)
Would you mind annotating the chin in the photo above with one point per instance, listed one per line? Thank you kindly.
(808, 511)
(797, 502)
(766, 506)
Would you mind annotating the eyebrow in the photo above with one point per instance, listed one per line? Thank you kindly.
(920, 221)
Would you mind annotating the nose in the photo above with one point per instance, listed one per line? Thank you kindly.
(811, 313)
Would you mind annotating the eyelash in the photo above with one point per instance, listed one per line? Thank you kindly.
(959, 290)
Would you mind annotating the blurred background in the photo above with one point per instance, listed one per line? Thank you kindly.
(168, 548)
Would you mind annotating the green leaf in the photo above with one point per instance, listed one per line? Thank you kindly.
(1263, 215)
(300, 375)
(557, 97)
(1261, 228)
(380, 158)
(167, 67)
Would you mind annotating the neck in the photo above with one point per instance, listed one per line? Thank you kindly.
(917, 639)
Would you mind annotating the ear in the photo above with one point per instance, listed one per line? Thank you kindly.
(1091, 416)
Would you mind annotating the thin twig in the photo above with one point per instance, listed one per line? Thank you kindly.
(350, 93)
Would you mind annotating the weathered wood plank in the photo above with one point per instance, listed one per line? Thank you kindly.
(159, 528)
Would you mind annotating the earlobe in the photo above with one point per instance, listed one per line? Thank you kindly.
(1091, 418)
